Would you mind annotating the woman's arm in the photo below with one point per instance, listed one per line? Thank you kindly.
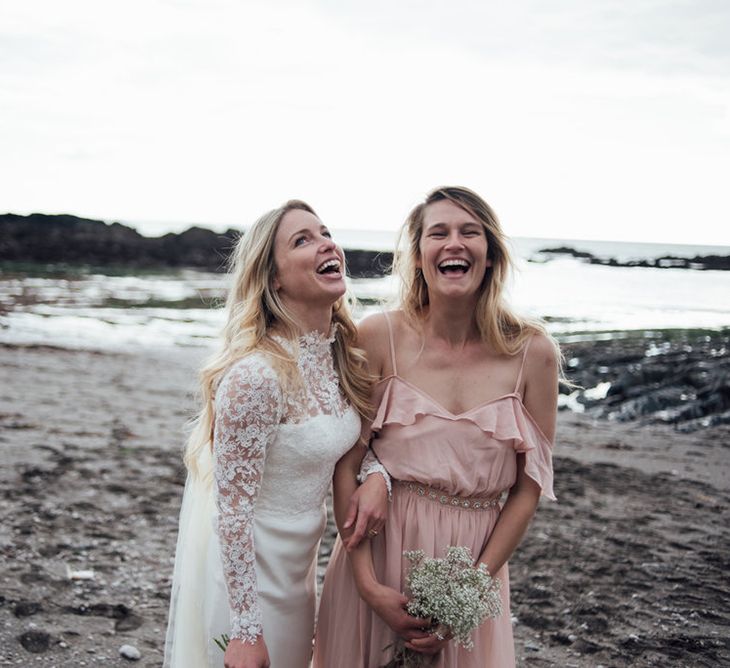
(385, 601)
(248, 412)
(350, 501)
(368, 503)
(541, 401)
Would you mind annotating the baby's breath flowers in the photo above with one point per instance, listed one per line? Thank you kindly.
(456, 596)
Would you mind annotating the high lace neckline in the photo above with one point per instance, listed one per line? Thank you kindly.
(316, 339)
(320, 390)
(309, 342)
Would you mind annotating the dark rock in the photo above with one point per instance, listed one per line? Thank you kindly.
(584, 646)
(368, 264)
(126, 620)
(73, 240)
(129, 623)
(65, 239)
(35, 641)
(26, 608)
(701, 262)
(683, 379)
(567, 250)
(704, 422)
(118, 611)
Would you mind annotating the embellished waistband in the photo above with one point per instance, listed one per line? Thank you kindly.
(439, 496)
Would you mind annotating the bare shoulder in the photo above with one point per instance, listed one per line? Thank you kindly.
(372, 331)
(372, 337)
(541, 363)
(541, 383)
(542, 348)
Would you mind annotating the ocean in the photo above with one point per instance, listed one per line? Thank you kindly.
(178, 308)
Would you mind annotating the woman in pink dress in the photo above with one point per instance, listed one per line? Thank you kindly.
(466, 409)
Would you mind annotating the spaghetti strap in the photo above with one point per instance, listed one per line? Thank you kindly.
(522, 366)
(391, 341)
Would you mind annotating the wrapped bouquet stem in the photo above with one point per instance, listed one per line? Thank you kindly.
(454, 594)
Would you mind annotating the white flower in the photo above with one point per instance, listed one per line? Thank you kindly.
(452, 592)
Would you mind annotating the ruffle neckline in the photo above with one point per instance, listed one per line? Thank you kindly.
(503, 418)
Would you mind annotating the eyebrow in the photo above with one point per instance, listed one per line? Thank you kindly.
(473, 223)
(306, 230)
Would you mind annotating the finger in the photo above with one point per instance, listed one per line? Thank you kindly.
(426, 646)
(351, 513)
(427, 642)
(415, 623)
(359, 533)
(373, 529)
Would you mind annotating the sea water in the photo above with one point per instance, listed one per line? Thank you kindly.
(182, 308)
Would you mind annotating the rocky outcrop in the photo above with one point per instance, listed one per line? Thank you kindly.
(682, 380)
(72, 240)
(718, 262)
(41, 238)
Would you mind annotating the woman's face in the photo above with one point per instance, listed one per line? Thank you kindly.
(309, 265)
(453, 250)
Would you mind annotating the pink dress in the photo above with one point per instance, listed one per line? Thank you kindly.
(450, 469)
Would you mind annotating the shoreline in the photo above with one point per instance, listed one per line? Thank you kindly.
(627, 569)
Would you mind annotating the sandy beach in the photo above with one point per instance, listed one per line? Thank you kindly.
(629, 568)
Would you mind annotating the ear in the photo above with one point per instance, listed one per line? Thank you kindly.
(275, 284)
(489, 262)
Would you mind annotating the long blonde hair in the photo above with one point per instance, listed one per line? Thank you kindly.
(500, 327)
(252, 308)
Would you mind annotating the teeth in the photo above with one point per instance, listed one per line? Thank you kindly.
(454, 263)
(326, 265)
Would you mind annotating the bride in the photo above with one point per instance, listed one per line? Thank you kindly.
(281, 404)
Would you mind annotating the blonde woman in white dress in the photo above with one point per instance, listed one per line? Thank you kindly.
(282, 403)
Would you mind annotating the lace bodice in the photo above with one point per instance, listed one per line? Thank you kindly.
(275, 452)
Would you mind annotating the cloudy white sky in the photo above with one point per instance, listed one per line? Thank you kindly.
(574, 118)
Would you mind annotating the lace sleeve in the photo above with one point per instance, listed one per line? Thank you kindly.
(248, 412)
(371, 464)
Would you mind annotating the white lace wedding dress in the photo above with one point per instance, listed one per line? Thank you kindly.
(250, 529)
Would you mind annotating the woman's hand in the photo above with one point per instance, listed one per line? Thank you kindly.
(366, 511)
(433, 644)
(240, 654)
(390, 606)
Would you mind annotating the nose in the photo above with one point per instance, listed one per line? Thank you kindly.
(327, 244)
(454, 240)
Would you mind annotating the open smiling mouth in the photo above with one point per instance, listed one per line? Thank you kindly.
(330, 267)
(455, 266)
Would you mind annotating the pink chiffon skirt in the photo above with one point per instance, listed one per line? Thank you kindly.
(350, 634)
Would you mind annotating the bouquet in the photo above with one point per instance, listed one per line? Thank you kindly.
(456, 596)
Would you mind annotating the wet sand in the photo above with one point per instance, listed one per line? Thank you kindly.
(629, 568)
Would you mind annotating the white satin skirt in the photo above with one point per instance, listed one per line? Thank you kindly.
(286, 565)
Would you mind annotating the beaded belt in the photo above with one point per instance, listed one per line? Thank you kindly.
(439, 496)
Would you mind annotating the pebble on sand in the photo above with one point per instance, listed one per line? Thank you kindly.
(130, 652)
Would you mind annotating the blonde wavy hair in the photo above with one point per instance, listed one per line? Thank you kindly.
(499, 326)
(253, 308)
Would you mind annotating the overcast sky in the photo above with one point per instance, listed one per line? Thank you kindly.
(575, 119)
